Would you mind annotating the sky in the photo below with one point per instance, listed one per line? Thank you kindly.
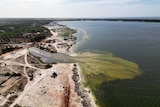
(79, 8)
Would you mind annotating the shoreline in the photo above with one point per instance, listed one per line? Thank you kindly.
(88, 99)
(87, 90)
(89, 93)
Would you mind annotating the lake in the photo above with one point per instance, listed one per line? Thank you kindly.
(137, 42)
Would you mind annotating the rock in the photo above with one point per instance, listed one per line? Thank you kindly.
(75, 65)
(54, 75)
(85, 104)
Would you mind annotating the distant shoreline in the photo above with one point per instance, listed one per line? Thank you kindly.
(125, 19)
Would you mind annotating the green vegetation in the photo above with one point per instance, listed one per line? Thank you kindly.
(17, 30)
(6, 49)
(7, 74)
(100, 68)
(48, 66)
(23, 30)
(67, 32)
(12, 74)
(4, 21)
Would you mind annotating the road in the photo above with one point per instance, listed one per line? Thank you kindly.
(30, 84)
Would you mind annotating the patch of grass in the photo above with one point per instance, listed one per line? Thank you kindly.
(7, 74)
(67, 32)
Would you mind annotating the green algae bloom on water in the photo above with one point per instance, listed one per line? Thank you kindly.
(98, 68)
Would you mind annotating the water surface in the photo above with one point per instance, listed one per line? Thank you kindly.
(138, 42)
(47, 57)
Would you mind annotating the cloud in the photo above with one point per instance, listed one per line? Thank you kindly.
(30, 2)
(113, 2)
(79, 8)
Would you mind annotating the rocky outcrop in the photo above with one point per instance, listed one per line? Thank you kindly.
(82, 93)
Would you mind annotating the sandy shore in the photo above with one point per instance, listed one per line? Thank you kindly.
(87, 99)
